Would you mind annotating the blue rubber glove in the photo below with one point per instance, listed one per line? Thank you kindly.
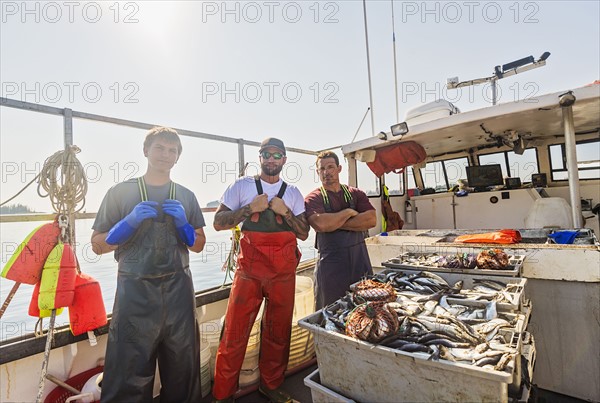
(185, 230)
(125, 228)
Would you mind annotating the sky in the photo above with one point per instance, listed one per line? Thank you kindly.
(293, 70)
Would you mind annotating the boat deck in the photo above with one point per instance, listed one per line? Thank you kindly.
(293, 384)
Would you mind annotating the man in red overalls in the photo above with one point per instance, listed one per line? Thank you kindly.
(272, 216)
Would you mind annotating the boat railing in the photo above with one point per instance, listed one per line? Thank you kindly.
(69, 115)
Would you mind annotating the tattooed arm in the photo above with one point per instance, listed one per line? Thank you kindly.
(298, 223)
(227, 219)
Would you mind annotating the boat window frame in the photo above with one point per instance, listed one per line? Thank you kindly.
(506, 161)
(444, 172)
(403, 181)
(377, 179)
(564, 161)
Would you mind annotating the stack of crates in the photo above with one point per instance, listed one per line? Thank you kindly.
(355, 370)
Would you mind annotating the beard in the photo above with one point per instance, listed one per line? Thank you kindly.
(271, 170)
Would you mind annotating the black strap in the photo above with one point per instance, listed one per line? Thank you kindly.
(282, 190)
(259, 188)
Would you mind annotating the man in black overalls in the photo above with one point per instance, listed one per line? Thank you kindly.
(151, 222)
(340, 215)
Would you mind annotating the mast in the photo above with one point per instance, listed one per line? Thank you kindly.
(395, 70)
(369, 69)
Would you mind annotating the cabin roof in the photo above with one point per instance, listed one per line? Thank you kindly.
(533, 118)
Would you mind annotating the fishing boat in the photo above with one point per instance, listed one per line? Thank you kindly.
(560, 133)
(550, 143)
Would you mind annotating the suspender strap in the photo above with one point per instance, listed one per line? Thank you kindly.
(282, 190)
(259, 188)
(142, 187)
(347, 198)
(144, 191)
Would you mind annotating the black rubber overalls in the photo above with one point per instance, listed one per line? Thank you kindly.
(343, 258)
(154, 317)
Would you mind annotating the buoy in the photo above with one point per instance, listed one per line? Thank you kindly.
(93, 388)
(34, 310)
(87, 311)
(25, 265)
(58, 278)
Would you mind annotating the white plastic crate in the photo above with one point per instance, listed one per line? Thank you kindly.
(366, 372)
(515, 265)
(528, 352)
(321, 394)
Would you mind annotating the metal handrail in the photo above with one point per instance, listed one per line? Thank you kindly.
(69, 115)
(51, 110)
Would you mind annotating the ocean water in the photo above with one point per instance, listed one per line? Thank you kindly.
(206, 268)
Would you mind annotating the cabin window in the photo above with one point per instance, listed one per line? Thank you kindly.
(514, 165)
(367, 181)
(588, 160)
(442, 175)
(455, 170)
(434, 177)
(395, 183)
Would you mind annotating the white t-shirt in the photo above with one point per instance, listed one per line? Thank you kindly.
(243, 191)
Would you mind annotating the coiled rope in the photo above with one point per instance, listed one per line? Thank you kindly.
(71, 189)
(73, 183)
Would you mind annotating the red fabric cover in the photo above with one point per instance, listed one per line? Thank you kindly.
(397, 157)
(504, 236)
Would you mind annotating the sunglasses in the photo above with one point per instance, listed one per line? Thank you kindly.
(276, 155)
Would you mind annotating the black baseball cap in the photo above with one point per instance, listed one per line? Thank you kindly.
(272, 142)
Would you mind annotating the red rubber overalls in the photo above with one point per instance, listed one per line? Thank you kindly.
(266, 269)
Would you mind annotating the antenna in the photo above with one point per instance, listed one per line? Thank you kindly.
(395, 71)
(369, 69)
(507, 70)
